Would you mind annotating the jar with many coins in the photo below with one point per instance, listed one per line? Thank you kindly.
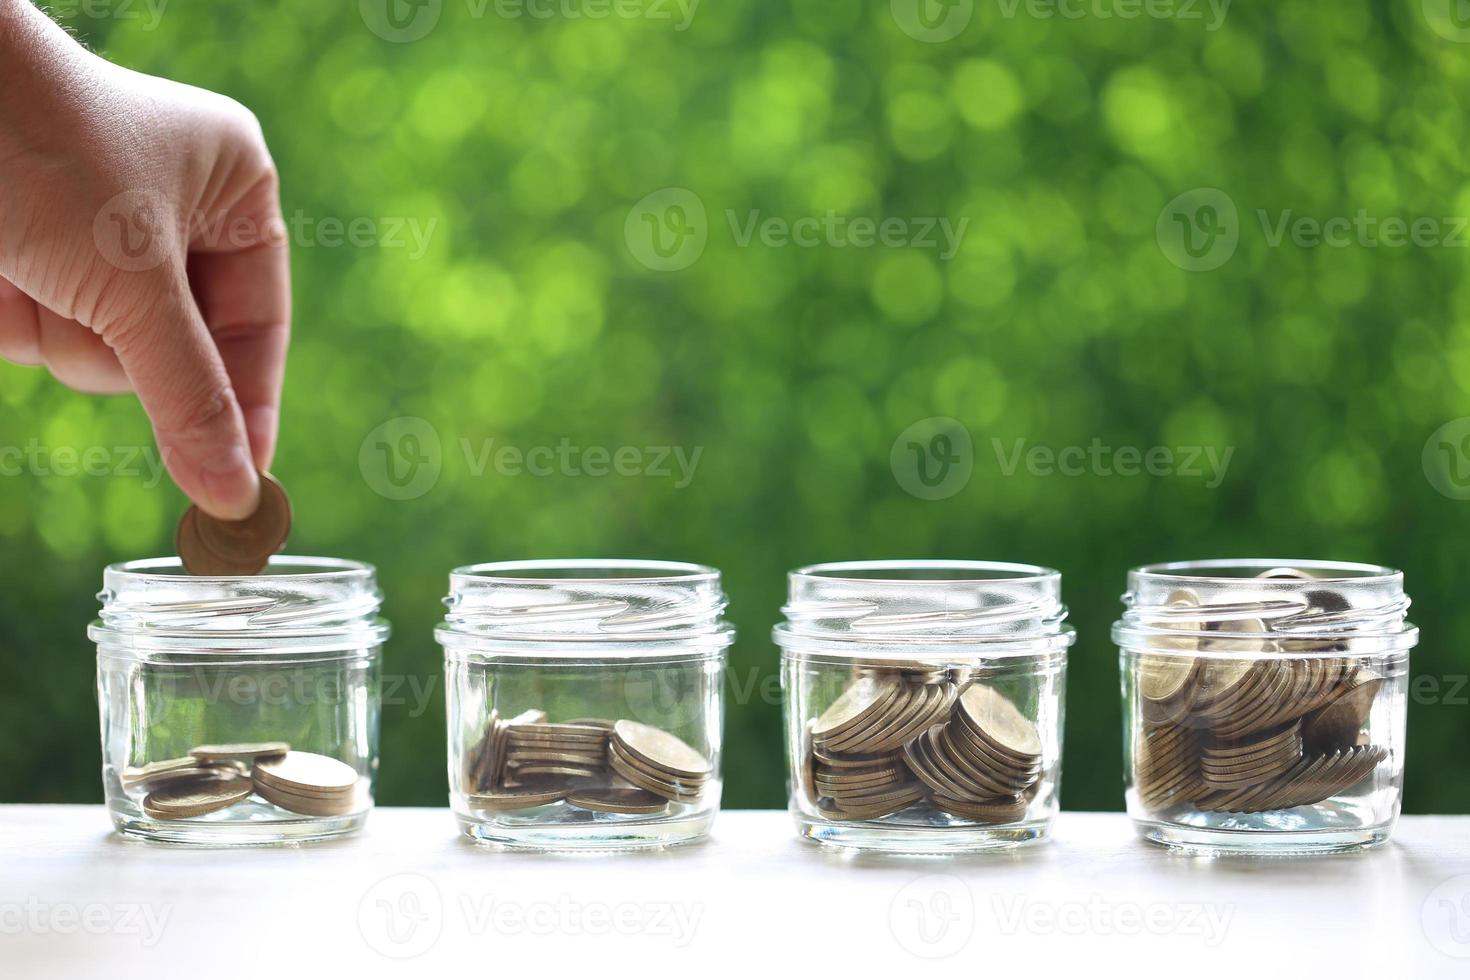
(585, 702)
(239, 709)
(1264, 703)
(924, 703)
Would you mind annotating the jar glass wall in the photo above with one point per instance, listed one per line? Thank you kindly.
(585, 702)
(239, 710)
(1264, 704)
(924, 703)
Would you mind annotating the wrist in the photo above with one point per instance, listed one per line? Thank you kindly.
(45, 75)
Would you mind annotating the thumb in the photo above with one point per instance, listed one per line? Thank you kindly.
(176, 369)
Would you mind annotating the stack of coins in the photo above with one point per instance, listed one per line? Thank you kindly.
(1251, 733)
(541, 749)
(1166, 764)
(657, 762)
(177, 789)
(208, 546)
(905, 734)
(216, 777)
(983, 763)
(304, 782)
(602, 766)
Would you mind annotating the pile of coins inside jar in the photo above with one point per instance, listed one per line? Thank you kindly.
(902, 735)
(1271, 730)
(212, 778)
(621, 767)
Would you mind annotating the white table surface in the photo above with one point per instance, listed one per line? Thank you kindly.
(409, 897)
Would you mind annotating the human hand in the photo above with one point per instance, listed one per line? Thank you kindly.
(142, 248)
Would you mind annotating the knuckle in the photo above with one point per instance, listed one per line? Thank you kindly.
(118, 305)
(242, 123)
(198, 413)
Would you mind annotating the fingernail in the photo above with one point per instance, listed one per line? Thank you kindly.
(231, 484)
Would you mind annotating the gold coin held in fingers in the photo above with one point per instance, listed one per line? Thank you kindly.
(209, 546)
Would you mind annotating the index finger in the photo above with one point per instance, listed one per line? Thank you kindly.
(243, 288)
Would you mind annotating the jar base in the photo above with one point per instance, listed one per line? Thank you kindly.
(589, 836)
(1226, 843)
(919, 841)
(237, 833)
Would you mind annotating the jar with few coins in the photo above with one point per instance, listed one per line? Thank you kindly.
(924, 703)
(1264, 704)
(585, 702)
(239, 709)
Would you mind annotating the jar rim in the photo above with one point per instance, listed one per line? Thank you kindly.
(884, 571)
(278, 568)
(1231, 570)
(620, 604)
(896, 606)
(298, 604)
(571, 570)
(1346, 604)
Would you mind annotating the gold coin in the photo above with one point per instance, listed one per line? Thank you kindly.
(481, 767)
(180, 799)
(620, 754)
(624, 767)
(153, 772)
(1337, 725)
(504, 800)
(521, 771)
(198, 770)
(1006, 809)
(866, 698)
(660, 750)
(932, 706)
(310, 804)
(1162, 677)
(1000, 722)
(208, 546)
(1221, 679)
(306, 773)
(618, 799)
(876, 728)
(239, 751)
(559, 732)
(523, 756)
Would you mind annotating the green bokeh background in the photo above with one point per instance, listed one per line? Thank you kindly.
(528, 320)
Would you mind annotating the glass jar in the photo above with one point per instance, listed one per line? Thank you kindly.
(585, 702)
(1264, 703)
(239, 709)
(924, 703)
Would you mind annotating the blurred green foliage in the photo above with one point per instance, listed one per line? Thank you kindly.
(523, 142)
